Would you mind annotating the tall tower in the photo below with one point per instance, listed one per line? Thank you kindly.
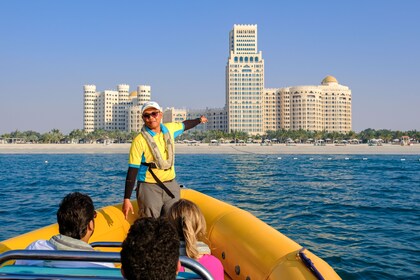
(337, 104)
(121, 121)
(143, 94)
(244, 81)
(135, 121)
(89, 107)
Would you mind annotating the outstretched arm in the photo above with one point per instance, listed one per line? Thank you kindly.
(188, 124)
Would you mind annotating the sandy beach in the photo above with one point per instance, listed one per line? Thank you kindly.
(207, 149)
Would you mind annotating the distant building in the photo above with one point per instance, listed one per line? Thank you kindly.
(244, 81)
(314, 108)
(271, 108)
(249, 107)
(180, 115)
(217, 119)
(114, 109)
(254, 109)
(174, 115)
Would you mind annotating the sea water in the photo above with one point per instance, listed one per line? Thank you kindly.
(360, 213)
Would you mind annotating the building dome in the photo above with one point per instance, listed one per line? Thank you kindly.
(133, 94)
(329, 79)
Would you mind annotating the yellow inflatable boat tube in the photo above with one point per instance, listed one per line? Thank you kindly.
(247, 247)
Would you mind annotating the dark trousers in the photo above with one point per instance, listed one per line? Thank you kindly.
(153, 201)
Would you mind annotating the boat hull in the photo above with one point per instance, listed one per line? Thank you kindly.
(247, 247)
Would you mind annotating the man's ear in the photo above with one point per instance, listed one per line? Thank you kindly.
(91, 225)
(178, 267)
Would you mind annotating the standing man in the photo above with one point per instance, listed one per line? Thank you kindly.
(151, 162)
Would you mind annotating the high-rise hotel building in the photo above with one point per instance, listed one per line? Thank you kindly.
(325, 107)
(249, 106)
(254, 109)
(244, 81)
(114, 109)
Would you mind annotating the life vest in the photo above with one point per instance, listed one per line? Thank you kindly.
(159, 162)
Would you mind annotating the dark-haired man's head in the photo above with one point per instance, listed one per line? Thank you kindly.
(150, 251)
(75, 216)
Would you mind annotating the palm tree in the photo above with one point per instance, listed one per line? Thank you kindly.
(98, 134)
(33, 138)
(351, 135)
(384, 134)
(18, 134)
(46, 137)
(318, 135)
(367, 134)
(56, 135)
(76, 134)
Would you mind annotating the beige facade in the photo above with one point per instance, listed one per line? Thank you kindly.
(337, 102)
(271, 109)
(217, 119)
(179, 115)
(284, 108)
(306, 110)
(254, 109)
(143, 94)
(174, 115)
(114, 109)
(135, 120)
(249, 107)
(244, 81)
(326, 107)
(90, 107)
(137, 99)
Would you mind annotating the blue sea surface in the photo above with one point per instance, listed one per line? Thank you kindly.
(360, 213)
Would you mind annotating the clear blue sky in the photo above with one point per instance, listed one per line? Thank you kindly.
(50, 49)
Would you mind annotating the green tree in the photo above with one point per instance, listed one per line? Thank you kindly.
(56, 135)
(96, 135)
(384, 134)
(367, 134)
(351, 135)
(76, 134)
(32, 136)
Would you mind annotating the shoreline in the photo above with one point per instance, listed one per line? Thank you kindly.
(386, 149)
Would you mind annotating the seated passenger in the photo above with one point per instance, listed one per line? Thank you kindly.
(76, 224)
(190, 224)
(150, 251)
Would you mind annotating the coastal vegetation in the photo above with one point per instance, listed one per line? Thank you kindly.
(282, 136)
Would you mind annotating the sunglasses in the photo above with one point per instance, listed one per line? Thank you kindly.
(152, 114)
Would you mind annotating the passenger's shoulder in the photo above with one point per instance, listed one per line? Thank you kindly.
(40, 245)
(203, 248)
(207, 258)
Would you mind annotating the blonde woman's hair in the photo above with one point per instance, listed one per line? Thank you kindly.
(190, 224)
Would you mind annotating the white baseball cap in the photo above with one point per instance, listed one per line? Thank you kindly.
(150, 104)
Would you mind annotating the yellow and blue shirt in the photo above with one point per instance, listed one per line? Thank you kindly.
(140, 152)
